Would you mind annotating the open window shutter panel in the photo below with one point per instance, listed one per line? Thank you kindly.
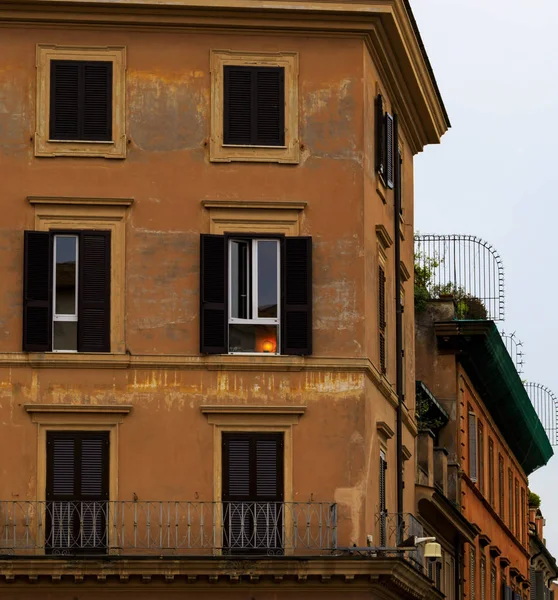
(270, 106)
(94, 292)
(297, 296)
(390, 151)
(37, 292)
(238, 109)
(97, 101)
(380, 135)
(65, 97)
(213, 295)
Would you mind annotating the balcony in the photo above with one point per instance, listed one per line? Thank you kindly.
(166, 528)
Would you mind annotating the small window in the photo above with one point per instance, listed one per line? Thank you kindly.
(480, 459)
(256, 295)
(491, 471)
(473, 450)
(386, 144)
(472, 574)
(254, 289)
(80, 100)
(67, 291)
(510, 500)
(501, 488)
(80, 105)
(254, 109)
(382, 322)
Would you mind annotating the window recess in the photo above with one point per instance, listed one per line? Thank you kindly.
(256, 295)
(66, 305)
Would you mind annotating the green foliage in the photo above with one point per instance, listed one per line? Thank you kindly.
(534, 500)
(424, 419)
(424, 268)
(468, 306)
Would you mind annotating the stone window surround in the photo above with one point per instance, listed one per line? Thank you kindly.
(44, 147)
(219, 152)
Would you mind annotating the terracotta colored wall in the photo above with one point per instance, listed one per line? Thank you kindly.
(165, 444)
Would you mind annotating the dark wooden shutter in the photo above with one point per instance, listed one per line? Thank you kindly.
(473, 453)
(270, 106)
(296, 317)
(390, 151)
(77, 491)
(97, 101)
(94, 292)
(382, 324)
(383, 508)
(81, 100)
(213, 294)
(254, 106)
(380, 135)
(37, 292)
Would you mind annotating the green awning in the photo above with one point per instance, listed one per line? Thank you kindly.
(484, 356)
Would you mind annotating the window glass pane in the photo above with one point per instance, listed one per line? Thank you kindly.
(267, 279)
(239, 279)
(253, 338)
(65, 335)
(66, 255)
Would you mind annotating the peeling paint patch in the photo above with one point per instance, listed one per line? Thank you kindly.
(167, 114)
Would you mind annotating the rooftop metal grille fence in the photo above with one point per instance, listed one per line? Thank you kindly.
(514, 347)
(546, 407)
(464, 266)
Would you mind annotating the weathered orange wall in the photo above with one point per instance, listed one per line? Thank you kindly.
(165, 444)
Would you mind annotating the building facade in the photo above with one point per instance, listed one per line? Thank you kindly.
(492, 439)
(543, 565)
(202, 241)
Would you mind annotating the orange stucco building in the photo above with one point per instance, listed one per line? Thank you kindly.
(198, 346)
(489, 439)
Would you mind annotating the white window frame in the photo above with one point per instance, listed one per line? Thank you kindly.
(67, 318)
(253, 283)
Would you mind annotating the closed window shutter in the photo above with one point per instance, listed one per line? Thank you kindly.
(94, 292)
(97, 101)
(252, 491)
(383, 506)
(213, 295)
(473, 458)
(382, 324)
(480, 454)
(501, 485)
(65, 98)
(254, 106)
(390, 151)
(270, 106)
(81, 100)
(472, 574)
(533, 582)
(238, 110)
(37, 292)
(380, 135)
(296, 319)
(77, 490)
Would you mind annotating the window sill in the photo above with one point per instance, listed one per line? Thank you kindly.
(254, 146)
(105, 142)
(74, 360)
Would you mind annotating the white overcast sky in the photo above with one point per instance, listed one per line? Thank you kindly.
(495, 175)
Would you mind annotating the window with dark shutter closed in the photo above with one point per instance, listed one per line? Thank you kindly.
(77, 491)
(390, 152)
(213, 294)
(473, 454)
(380, 135)
(254, 106)
(383, 507)
(37, 292)
(81, 100)
(296, 320)
(382, 319)
(94, 292)
(252, 492)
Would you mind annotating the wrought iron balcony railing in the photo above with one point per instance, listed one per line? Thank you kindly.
(173, 528)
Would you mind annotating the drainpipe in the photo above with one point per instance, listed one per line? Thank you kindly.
(398, 333)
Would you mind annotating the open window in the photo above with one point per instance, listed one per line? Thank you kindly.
(66, 305)
(256, 295)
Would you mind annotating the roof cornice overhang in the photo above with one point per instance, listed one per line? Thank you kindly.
(386, 27)
(482, 353)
